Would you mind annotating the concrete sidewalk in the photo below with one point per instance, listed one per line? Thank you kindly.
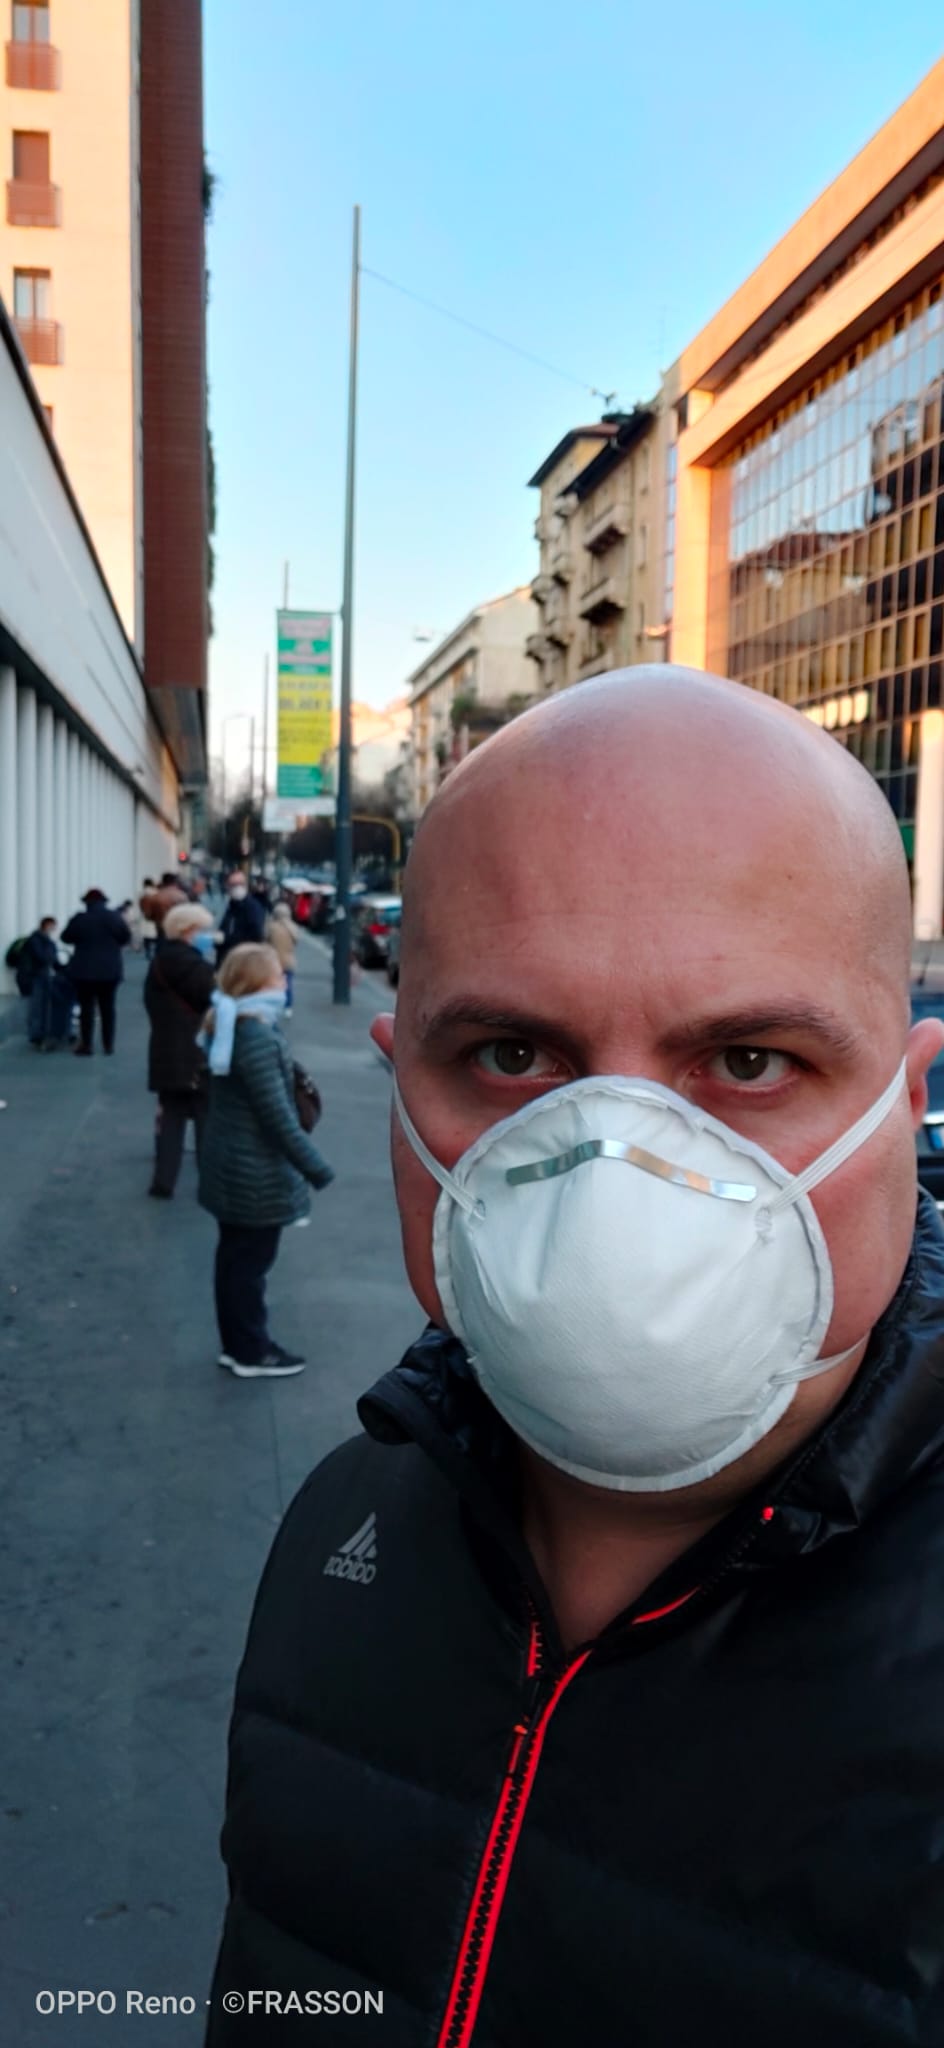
(142, 1487)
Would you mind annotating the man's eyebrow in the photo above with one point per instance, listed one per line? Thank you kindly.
(736, 1026)
(468, 1010)
(746, 1025)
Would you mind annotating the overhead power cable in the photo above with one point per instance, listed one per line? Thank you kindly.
(485, 334)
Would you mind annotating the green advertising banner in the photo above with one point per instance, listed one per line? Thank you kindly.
(306, 701)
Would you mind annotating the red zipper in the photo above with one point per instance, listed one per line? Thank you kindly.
(475, 1949)
(468, 1981)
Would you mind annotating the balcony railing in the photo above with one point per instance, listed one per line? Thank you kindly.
(594, 665)
(602, 598)
(610, 525)
(558, 628)
(41, 340)
(32, 206)
(561, 560)
(34, 67)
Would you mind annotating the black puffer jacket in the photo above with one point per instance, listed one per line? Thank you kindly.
(243, 924)
(98, 936)
(177, 996)
(722, 1825)
(256, 1162)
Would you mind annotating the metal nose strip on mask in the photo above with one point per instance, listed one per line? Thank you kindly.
(631, 1155)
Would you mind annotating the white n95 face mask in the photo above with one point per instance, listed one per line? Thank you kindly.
(638, 1288)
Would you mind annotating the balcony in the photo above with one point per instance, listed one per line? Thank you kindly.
(602, 599)
(595, 664)
(561, 560)
(34, 67)
(541, 589)
(542, 530)
(32, 206)
(608, 526)
(558, 628)
(41, 341)
(537, 647)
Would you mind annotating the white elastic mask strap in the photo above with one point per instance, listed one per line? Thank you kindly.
(440, 1173)
(850, 1142)
(815, 1367)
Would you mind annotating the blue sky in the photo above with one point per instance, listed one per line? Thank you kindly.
(589, 181)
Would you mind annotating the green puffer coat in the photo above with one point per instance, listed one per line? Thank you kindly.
(255, 1159)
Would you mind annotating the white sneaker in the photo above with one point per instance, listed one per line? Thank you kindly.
(276, 1365)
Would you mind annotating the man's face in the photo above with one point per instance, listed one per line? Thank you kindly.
(668, 935)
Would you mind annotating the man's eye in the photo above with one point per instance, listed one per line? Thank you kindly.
(746, 1063)
(515, 1059)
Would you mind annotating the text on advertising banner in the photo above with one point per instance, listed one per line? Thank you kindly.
(306, 696)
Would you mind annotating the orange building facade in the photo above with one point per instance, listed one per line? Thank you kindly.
(806, 478)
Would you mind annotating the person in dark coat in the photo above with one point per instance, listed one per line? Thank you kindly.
(98, 936)
(593, 1693)
(42, 967)
(244, 919)
(180, 982)
(257, 1165)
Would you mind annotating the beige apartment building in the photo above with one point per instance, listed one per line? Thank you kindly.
(477, 677)
(69, 255)
(102, 269)
(601, 524)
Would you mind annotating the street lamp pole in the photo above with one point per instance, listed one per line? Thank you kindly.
(342, 942)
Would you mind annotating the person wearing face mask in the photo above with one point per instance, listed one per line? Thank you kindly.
(593, 1693)
(244, 918)
(257, 1164)
(177, 991)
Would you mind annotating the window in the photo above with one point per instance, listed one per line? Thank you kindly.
(30, 157)
(32, 200)
(30, 21)
(31, 294)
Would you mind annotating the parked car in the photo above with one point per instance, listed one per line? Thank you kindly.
(927, 1000)
(297, 892)
(321, 914)
(373, 919)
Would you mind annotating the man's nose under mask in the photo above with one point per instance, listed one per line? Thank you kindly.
(639, 1289)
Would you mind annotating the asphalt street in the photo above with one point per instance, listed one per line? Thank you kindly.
(142, 1487)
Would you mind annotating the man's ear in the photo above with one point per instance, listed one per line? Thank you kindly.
(381, 1032)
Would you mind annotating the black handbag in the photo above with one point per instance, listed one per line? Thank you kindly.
(307, 1098)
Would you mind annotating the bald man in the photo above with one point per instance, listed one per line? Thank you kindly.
(596, 1693)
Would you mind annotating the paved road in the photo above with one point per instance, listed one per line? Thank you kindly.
(141, 1490)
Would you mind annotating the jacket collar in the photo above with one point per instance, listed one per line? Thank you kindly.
(887, 1430)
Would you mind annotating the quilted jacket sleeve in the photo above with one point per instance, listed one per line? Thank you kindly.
(258, 1063)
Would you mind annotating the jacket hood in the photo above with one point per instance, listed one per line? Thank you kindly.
(888, 1429)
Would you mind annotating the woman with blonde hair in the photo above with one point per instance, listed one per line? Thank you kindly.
(256, 1162)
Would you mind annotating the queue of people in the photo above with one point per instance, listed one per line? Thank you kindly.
(219, 1060)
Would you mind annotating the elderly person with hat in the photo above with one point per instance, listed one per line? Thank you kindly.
(177, 994)
(98, 936)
